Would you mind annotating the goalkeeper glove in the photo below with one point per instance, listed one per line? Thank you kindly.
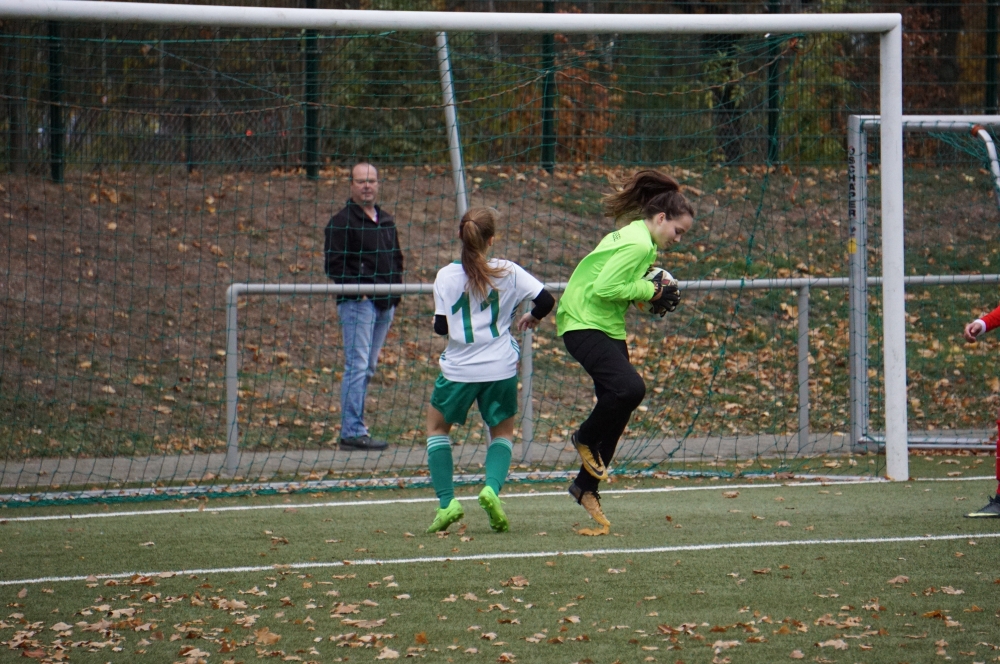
(666, 298)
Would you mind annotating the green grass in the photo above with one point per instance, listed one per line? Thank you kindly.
(597, 602)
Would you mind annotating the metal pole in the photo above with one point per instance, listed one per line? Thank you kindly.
(451, 124)
(189, 138)
(311, 155)
(232, 382)
(548, 96)
(274, 18)
(991, 150)
(990, 103)
(803, 355)
(56, 129)
(527, 408)
(893, 265)
(12, 89)
(857, 251)
(773, 71)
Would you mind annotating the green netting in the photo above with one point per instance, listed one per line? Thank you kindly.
(186, 166)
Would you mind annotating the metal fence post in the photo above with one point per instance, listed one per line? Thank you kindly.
(451, 124)
(548, 96)
(189, 138)
(527, 408)
(990, 105)
(57, 131)
(803, 357)
(232, 382)
(312, 101)
(773, 72)
(857, 251)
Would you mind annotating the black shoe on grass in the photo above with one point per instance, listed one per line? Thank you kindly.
(990, 511)
(364, 442)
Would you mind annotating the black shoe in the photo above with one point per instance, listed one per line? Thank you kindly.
(364, 442)
(992, 510)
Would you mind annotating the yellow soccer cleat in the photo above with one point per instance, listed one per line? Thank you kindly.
(591, 463)
(591, 501)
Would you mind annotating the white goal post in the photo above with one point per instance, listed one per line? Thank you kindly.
(887, 25)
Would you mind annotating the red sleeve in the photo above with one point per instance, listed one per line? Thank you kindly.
(992, 319)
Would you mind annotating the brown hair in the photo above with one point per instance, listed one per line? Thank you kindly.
(478, 225)
(648, 193)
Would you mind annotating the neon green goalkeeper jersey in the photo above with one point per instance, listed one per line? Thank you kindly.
(606, 281)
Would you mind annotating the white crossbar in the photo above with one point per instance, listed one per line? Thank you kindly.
(353, 19)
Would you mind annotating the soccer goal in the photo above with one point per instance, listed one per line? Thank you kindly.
(169, 170)
(955, 157)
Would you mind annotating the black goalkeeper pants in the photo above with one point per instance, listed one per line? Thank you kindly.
(619, 389)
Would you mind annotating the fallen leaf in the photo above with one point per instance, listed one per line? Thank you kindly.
(898, 580)
(387, 653)
(764, 570)
(516, 581)
(730, 494)
(783, 524)
(265, 637)
(797, 654)
(364, 624)
(22, 593)
(720, 645)
(420, 637)
(192, 652)
(838, 644)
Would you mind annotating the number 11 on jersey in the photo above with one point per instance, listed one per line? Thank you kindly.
(464, 304)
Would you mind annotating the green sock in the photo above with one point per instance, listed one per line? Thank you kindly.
(498, 463)
(441, 466)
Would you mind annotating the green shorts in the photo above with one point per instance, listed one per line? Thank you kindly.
(497, 399)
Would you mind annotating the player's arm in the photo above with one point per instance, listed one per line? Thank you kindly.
(982, 325)
(440, 318)
(441, 324)
(544, 302)
(615, 281)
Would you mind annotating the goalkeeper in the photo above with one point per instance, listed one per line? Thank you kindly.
(475, 301)
(972, 331)
(591, 319)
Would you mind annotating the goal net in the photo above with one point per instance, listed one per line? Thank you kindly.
(148, 169)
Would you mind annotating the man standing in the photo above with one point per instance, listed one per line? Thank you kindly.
(362, 248)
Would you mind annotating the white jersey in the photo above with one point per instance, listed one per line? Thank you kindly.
(480, 346)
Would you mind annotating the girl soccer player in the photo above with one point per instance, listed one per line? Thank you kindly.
(475, 301)
(591, 319)
(977, 327)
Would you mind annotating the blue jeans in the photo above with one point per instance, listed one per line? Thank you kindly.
(364, 327)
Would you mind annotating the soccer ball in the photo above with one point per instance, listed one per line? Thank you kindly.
(666, 279)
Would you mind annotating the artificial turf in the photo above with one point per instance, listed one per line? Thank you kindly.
(539, 593)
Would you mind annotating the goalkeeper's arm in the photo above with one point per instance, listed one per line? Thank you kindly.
(982, 325)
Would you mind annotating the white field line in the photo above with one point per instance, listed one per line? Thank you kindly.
(404, 501)
(506, 496)
(506, 556)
